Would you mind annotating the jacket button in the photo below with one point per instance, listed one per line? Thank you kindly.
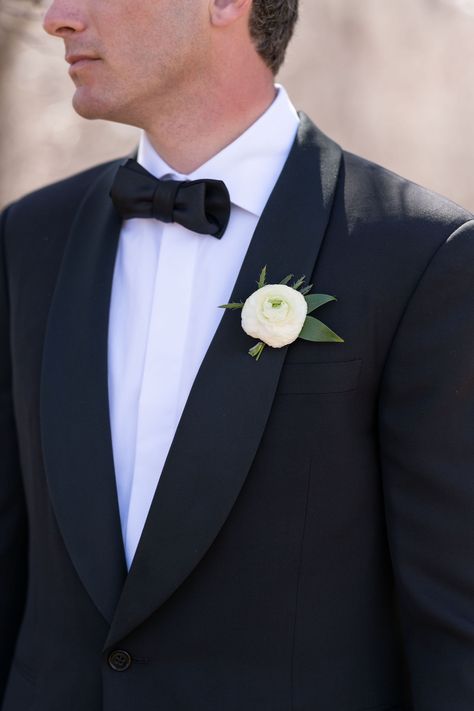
(119, 660)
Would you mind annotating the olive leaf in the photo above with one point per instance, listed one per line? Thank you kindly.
(298, 283)
(235, 305)
(262, 278)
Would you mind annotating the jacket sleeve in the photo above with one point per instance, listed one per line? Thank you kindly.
(426, 420)
(12, 505)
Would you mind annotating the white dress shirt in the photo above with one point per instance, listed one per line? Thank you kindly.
(167, 287)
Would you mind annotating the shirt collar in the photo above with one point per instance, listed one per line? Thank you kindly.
(250, 165)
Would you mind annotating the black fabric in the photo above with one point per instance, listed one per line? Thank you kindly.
(202, 206)
(310, 544)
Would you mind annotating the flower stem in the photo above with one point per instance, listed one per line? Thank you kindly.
(257, 350)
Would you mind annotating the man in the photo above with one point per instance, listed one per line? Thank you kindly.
(310, 541)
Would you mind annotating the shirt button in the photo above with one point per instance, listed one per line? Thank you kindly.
(119, 660)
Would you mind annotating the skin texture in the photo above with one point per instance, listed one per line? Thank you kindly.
(186, 71)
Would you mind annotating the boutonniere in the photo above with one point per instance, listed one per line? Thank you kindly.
(278, 314)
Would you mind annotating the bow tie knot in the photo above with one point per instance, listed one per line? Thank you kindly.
(202, 206)
(164, 198)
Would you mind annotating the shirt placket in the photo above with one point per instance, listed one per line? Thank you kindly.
(160, 398)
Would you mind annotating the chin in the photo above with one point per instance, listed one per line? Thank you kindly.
(92, 107)
(86, 106)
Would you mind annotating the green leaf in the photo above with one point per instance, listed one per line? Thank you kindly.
(285, 281)
(257, 350)
(306, 289)
(314, 301)
(298, 283)
(315, 330)
(235, 305)
(262, 278)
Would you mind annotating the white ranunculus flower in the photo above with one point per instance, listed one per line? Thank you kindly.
(274, 314)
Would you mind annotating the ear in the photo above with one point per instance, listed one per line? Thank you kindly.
(225, 12)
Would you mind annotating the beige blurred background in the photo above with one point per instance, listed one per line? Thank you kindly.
(390, 79)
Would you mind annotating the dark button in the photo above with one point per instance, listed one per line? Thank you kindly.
(119, 660)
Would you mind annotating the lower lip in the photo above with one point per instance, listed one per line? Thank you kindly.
(80, 64)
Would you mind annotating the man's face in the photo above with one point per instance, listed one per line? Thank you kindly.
(130, 58)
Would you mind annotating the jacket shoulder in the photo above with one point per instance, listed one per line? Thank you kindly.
(55, 204)
(379, 194)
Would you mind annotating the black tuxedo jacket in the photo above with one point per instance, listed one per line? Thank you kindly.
(310, 543)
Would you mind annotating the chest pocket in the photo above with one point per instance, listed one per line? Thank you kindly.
(339, 377)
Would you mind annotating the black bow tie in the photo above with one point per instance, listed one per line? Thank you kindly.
(199, 205)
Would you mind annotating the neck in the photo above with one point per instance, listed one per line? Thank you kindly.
(188, 134)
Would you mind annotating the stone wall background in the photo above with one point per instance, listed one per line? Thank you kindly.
(390, 79)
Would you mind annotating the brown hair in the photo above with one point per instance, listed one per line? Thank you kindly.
(272, 23)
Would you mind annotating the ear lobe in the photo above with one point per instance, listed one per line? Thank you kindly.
(225, 12)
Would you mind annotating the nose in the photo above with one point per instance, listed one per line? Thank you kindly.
(64, 18)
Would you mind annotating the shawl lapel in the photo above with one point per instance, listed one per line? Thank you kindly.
(76, 437)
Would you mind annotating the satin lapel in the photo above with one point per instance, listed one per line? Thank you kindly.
(217, 440)
(74, 400)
